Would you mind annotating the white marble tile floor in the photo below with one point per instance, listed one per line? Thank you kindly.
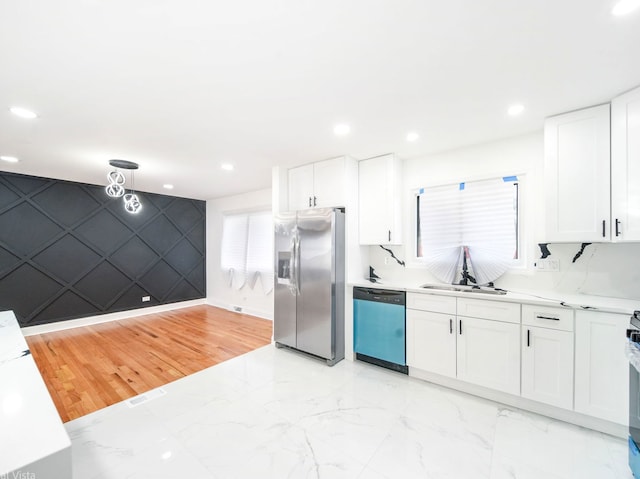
(274, 413)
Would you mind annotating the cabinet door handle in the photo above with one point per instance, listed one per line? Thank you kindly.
(450, 326)
(550, 318)
(389, 235)
(460, 330)
(309, 201)
(528, 337)
(617, 227)
(603, 228)
(315, 201)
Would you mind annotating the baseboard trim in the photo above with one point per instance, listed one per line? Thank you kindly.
(607, 427)
(249, 311)
(105, 318)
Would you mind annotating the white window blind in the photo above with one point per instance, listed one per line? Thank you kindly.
(233, 253)
(247, 250)
(260, 250)
(478, 219)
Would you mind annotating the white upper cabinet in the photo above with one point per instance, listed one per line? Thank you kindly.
(380, 200)
(577, 176)
(317, 185)
(301, 188)
(625, 166)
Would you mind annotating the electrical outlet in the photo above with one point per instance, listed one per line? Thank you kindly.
(386, 260)
(553, 264)
(548, 264)
(146, 298)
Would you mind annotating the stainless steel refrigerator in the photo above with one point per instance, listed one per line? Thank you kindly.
(309, 282)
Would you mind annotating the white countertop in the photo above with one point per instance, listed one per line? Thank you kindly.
(30, 426)
(547, 298)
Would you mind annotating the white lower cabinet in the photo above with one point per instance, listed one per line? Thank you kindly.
(547, 355)
(602, 369)
(547, 366)
(488, 354)
(482, 351)
(569, 359)
(431, 342)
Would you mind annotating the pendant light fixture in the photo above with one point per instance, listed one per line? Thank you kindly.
(131, 202)
(116, 188)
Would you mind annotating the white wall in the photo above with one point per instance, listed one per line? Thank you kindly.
(219, 293)
(604, 269)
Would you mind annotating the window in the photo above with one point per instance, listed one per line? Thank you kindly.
(469, 230)
(247, 250)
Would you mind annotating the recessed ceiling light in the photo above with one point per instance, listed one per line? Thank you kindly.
(168, 186)
(412, 136)
(227, 166)
(515, 110)
(341, 129)
(9, 159)
(625, 6)
(23, 112)
(167, 455)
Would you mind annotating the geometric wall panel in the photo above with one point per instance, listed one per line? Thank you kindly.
(160, 279)
(26, 184)
(67, 250)
(6, 196)
(183, 256)
(133, 257)
(17, 228)
(66, 202)
(182, 289)
(103, 283)
(160, 234)
(67, 258)
(130, 299)
(25, 290)
(105, 231)
(7, 261)
(197, 236)
(184, 215)
(69, 304)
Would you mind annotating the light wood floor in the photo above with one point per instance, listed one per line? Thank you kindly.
(89, 368)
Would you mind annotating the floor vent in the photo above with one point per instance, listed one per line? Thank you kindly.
(146, 397)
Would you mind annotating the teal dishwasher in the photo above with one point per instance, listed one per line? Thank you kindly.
(379, 332)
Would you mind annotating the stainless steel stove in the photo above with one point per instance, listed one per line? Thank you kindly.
(633, 354)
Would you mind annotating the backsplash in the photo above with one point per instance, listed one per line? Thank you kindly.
(604, 269)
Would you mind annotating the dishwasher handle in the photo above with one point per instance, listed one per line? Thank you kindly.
(379, 295)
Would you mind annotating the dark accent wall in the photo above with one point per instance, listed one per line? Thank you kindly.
(68, 251)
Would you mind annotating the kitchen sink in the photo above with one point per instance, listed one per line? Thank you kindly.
(464, 288)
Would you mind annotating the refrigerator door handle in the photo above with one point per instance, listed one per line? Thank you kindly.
(293, 282)
(295, 265)
(297, 259)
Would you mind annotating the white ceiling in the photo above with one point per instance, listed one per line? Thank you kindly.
(181, 86)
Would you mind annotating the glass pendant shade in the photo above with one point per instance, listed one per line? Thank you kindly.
(115, 188)
(132, 203)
